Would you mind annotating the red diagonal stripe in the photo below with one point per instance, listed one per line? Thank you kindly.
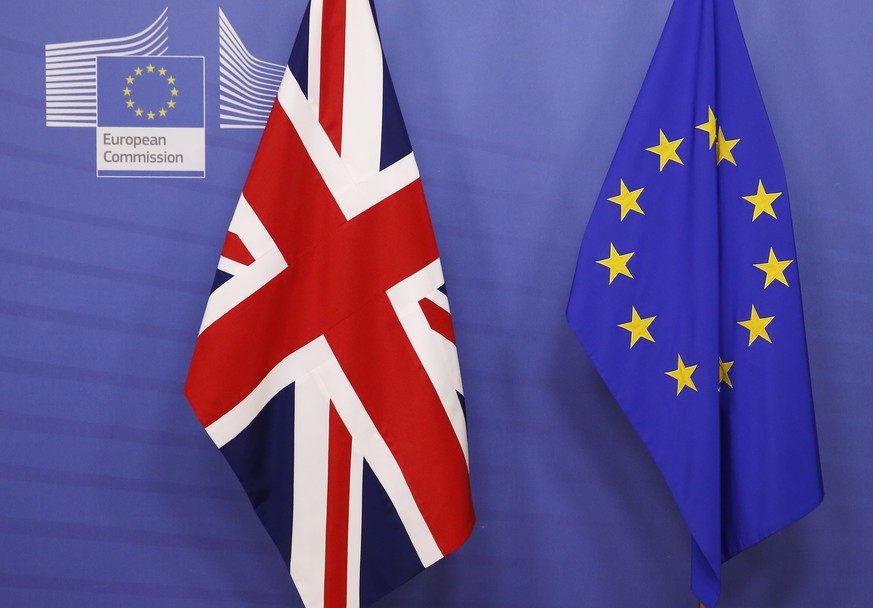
(337, 534)
(235, 250)
(333, 58)
(438, 318)
(380, 362)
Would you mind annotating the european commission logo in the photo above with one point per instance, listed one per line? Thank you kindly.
(150, 117)
(148, 107)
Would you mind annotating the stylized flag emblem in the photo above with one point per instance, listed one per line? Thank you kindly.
(71, 71)
(326, 368)
(247, 85)
(706, 354)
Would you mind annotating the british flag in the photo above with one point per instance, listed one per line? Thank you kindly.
(326, 368)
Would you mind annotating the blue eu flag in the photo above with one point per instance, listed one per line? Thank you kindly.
(686, 294)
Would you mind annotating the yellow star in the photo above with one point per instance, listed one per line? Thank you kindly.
(138, 71)
(666, 150)
(150, 68)
(126, 91)
(171, 104)
(757, 326)
(682, 374)
(627, 200)
(774, 268)
(617, 263)
(638, 327)
(763, 201)
(723, 368)
(709, 127)
(162, 112)
(174, 91)
(171, 80)
(129, 80)
(139, 112)
(130, 103)
(162, 71)
(151, 115)
(723, 148)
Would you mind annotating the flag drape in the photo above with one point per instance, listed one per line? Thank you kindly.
(326, 368)
(687, 298)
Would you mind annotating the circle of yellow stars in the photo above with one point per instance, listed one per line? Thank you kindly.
(127, 91)
(628, 200)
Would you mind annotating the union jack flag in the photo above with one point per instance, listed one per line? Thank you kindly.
(326, 367)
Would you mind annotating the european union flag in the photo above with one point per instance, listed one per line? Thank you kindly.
(160, 91)
(687, 298)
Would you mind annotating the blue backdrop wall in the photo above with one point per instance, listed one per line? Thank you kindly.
(111, 494)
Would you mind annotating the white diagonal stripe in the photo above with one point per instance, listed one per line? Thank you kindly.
(293, 367)
(335, 174)
(356, 498)
(439, 357)
(352, 196)
(268, 263)
(311, 447)
(378, 186)
(378, 455)
(362, 91)
(319, 380)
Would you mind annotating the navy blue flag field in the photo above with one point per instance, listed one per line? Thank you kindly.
(687, 297)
